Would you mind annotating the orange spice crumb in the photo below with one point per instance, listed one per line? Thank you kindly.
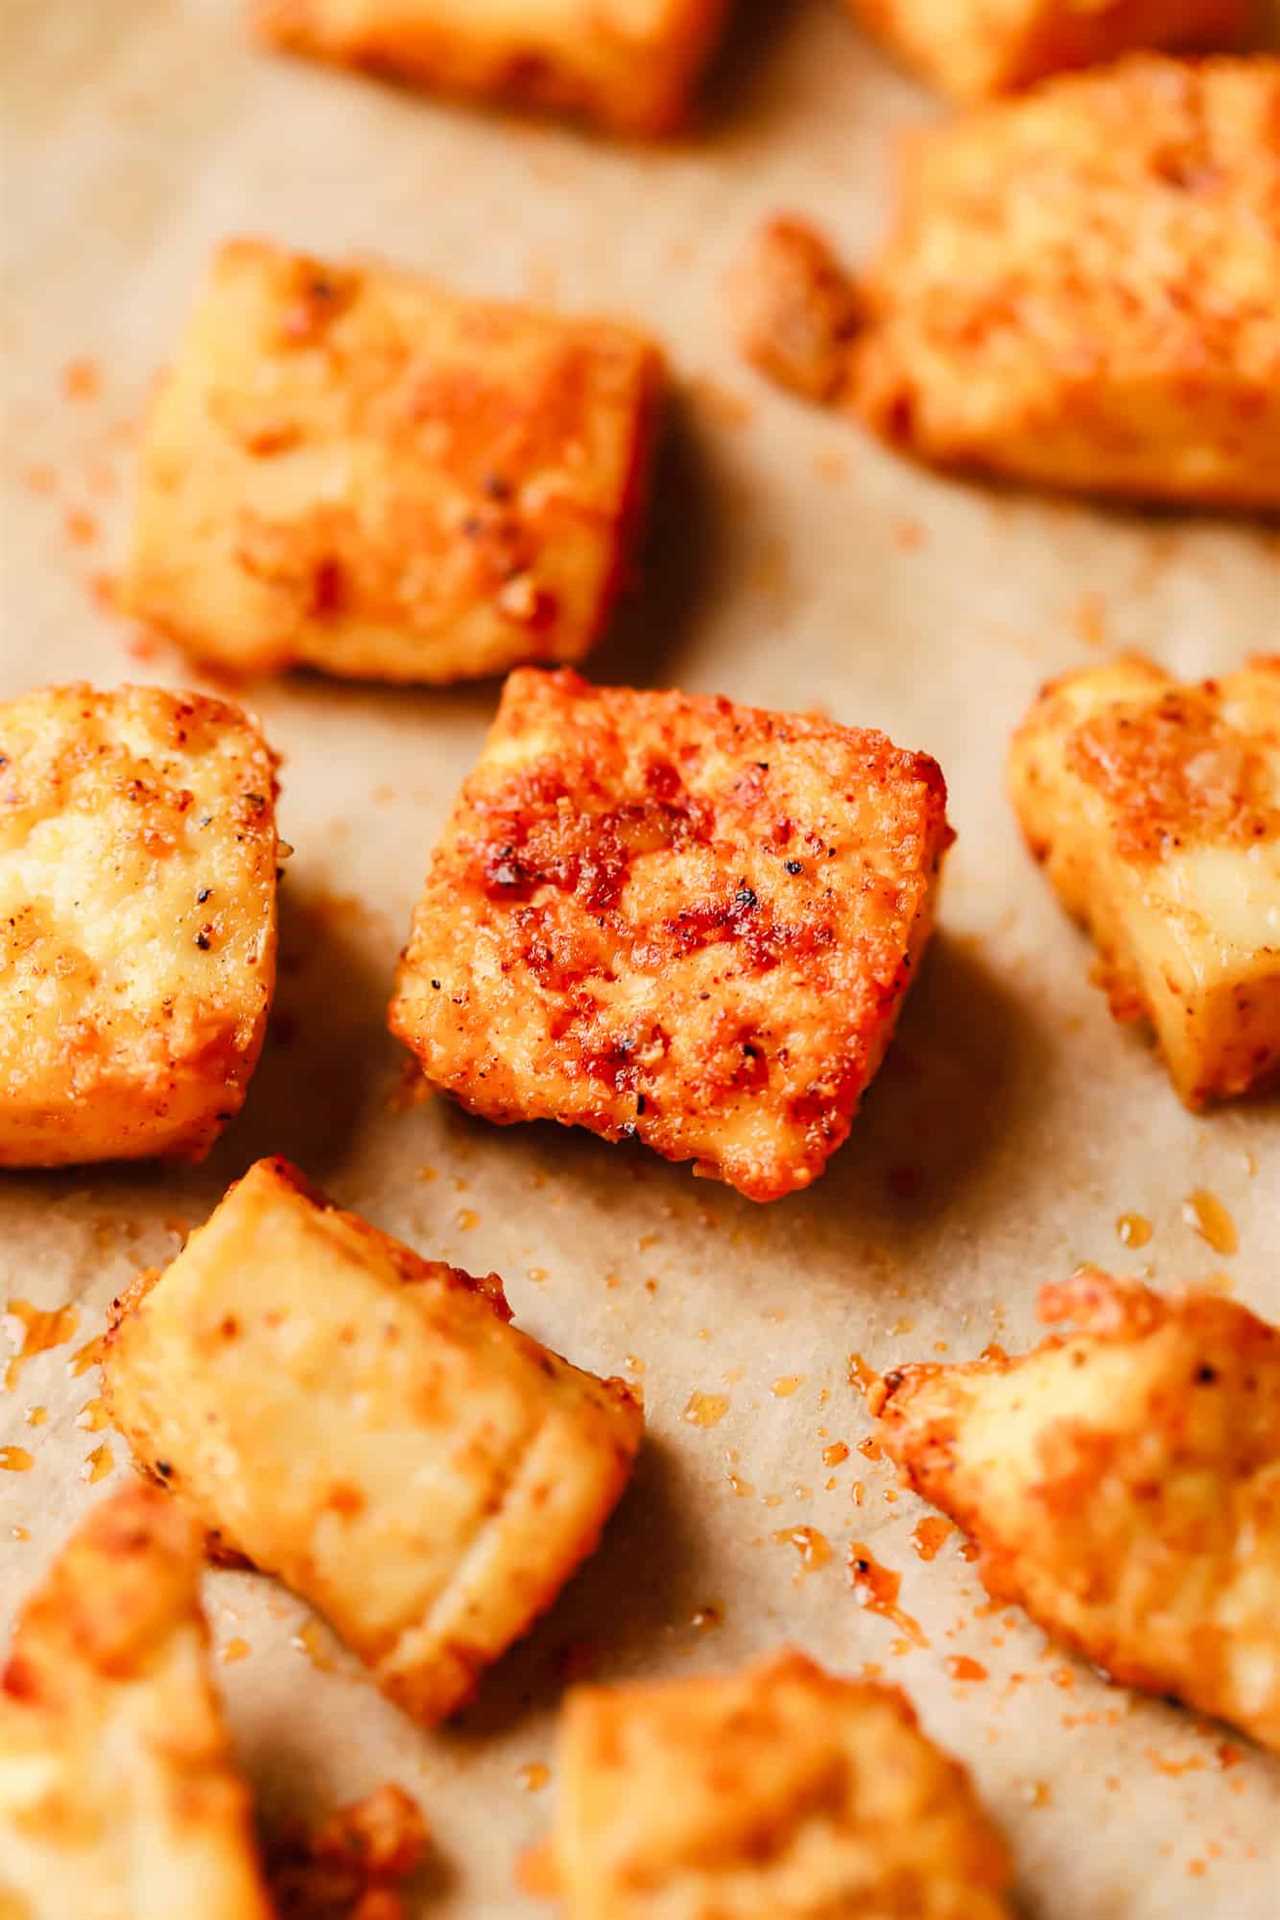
(813, 1547)
(1205, 1214)
(81, 379)
(928, 1535)
(1133, 1230)
(961, 1667)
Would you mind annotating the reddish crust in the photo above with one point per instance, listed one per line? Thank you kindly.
(686, 910)
(1173, 772)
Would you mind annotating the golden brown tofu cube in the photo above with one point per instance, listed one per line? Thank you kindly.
(973, 48)
(119, 1798)
(137, 921)
(629, 65)
(795, 309)
(776, 1791)
(665, 916)
(1156, 810)
(366, 1425)
(1123, 1485)
(1081, 288)
(351, 469)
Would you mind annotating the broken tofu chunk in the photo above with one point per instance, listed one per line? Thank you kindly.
(631, 66)
(779, 1790)
(665, 916)
(351, 1866)
(795, 309)
(119, 1798)
(1123, 1485)
(1155, 808)
(349, 468)
(1080, 290)
(974, 48)
(366, 1425)
(137, 921)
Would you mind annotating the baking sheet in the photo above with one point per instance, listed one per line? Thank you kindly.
(793, 563)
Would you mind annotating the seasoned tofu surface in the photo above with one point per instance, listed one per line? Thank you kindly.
(972, 48)
(351, 469)
(777, 1791)
(1081, 287)
(1155, 808)
(669, 917)
(1123, 1485)
(631, 66)
(366, 1425)
(119, 1798)
(137, 921)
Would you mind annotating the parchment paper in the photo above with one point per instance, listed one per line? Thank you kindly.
(793, 563)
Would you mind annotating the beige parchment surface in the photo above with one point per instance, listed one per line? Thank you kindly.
(792, 563)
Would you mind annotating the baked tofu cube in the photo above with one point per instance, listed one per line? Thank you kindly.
(119, 1797)
(631, 68)
(1156, 810)
(666, 916)
(366, 1425)
(353, 470)
(1121, 1484)
(973, 48)
(776, 1791)
(1081, 289)
(137, 921)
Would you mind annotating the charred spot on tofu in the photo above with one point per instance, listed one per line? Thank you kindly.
(118, 1791)
(1155, 808)
(631, 69)
(354, 470)
(371, 1429)
(970, 49)
(137, 921)
(1079, 291)
(667, 916)
(778, 1790)
(1120, 1484)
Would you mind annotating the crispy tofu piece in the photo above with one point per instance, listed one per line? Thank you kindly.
(778, 1790)
(137, 921)
(351, 469)
(1123, 1485)
(795, 309)
(1156, 810)
(974, 48)
(366, 1425)
(1080, 291)
(631, 66)
(119, 1798)
(666, 916)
